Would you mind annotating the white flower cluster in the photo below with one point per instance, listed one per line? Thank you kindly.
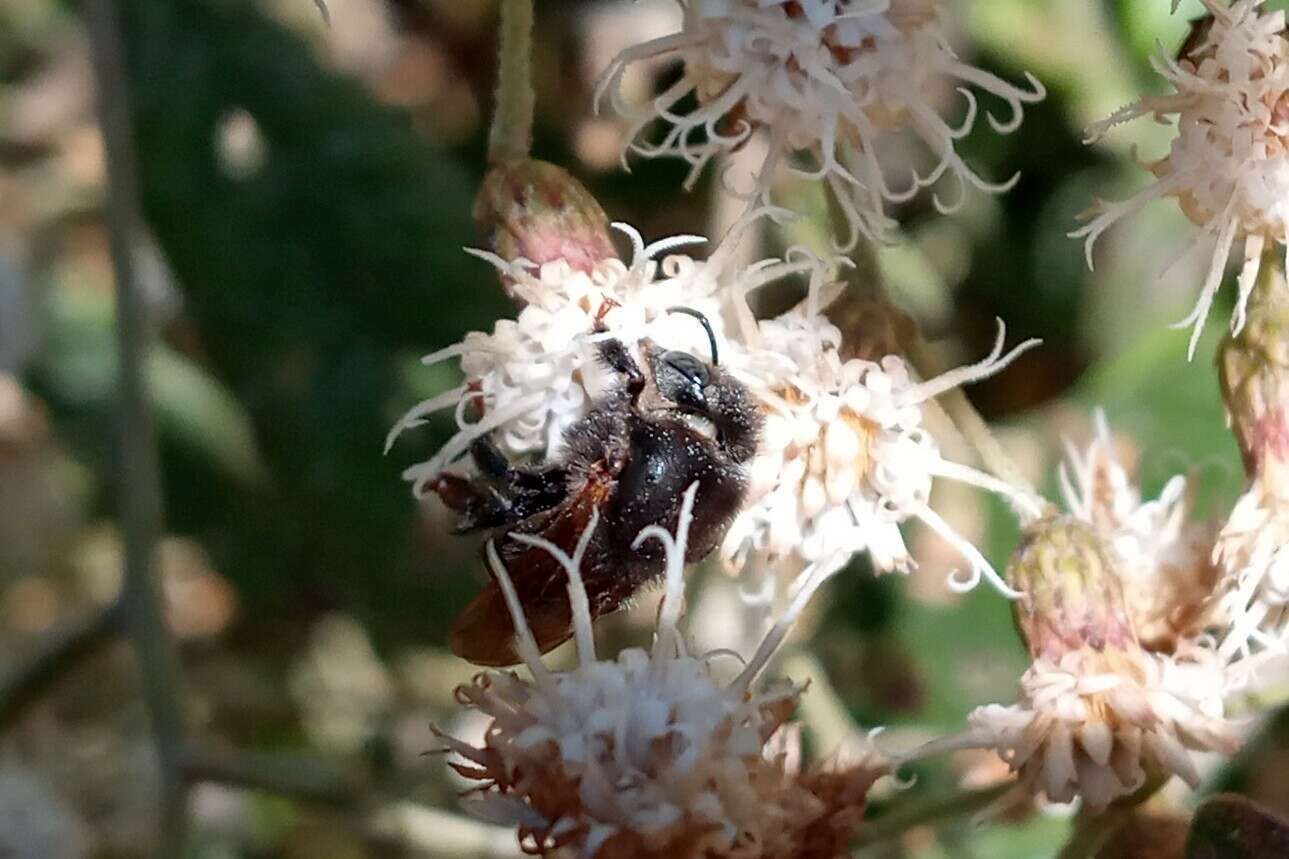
(1097, 724)
(1135, 636)
(844, 459)
(827, 79)
(1228, 167)
(644, 755)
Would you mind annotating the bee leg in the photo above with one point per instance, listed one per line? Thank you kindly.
(615, 355)
(527, 490)
(480, 507)
(491, 462)
(494, 466)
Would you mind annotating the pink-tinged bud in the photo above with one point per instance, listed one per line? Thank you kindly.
(1073, 598)
(1253, 366)
(1097, 717)
(536, 211)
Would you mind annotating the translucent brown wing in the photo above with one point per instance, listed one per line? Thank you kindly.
(484, 632)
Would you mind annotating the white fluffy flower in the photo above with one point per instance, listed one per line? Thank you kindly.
(1228, 167)
(1253, 549)
(826, 79)
(531, 378)
(844, 459)
(1097, 724)
(642, 755)
(1162, 558)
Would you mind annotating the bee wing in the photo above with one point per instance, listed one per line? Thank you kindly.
(484, 632)
(485, 635)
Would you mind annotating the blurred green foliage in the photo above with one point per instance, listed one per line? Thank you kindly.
(307, 283)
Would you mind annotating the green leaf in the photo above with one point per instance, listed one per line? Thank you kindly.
(196, 410)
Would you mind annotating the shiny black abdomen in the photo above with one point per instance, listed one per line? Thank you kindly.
(666, 456)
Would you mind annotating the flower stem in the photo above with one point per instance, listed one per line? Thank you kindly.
(512, 122)
(932, 812)
(969, 421)
(868, 275)
(1091, 833)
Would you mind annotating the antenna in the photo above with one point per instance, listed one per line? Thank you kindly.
(707, 326)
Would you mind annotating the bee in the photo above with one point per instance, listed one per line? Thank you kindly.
(631, 458)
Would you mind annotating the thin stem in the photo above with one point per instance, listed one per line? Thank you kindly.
(60, 651)
(867, 276)
(933, 812)
(431, 831)
(303, 779)
(140, 477)
(512, 122)
(969, 422)
(1091, 833)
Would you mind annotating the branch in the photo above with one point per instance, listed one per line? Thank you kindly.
(298, 778)
(140, 477)
(433, 831)
(58, 653)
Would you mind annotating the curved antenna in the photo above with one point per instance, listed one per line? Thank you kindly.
(707, 326)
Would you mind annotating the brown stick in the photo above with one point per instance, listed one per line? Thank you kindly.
(58, 653)
(140, 476)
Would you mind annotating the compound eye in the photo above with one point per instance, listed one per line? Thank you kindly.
(692, 369)
(681, 378)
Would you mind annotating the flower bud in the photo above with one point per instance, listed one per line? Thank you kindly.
(536, 211)
(1073, 597)
(1253, 366)
(1098, 717)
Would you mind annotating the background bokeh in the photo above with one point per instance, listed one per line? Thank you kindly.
(308, 192)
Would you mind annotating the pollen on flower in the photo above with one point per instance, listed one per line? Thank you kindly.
(826, 79)
(844, 459)
(648, 753)
(1228, 167)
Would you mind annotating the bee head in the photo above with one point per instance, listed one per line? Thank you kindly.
(683, 378)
